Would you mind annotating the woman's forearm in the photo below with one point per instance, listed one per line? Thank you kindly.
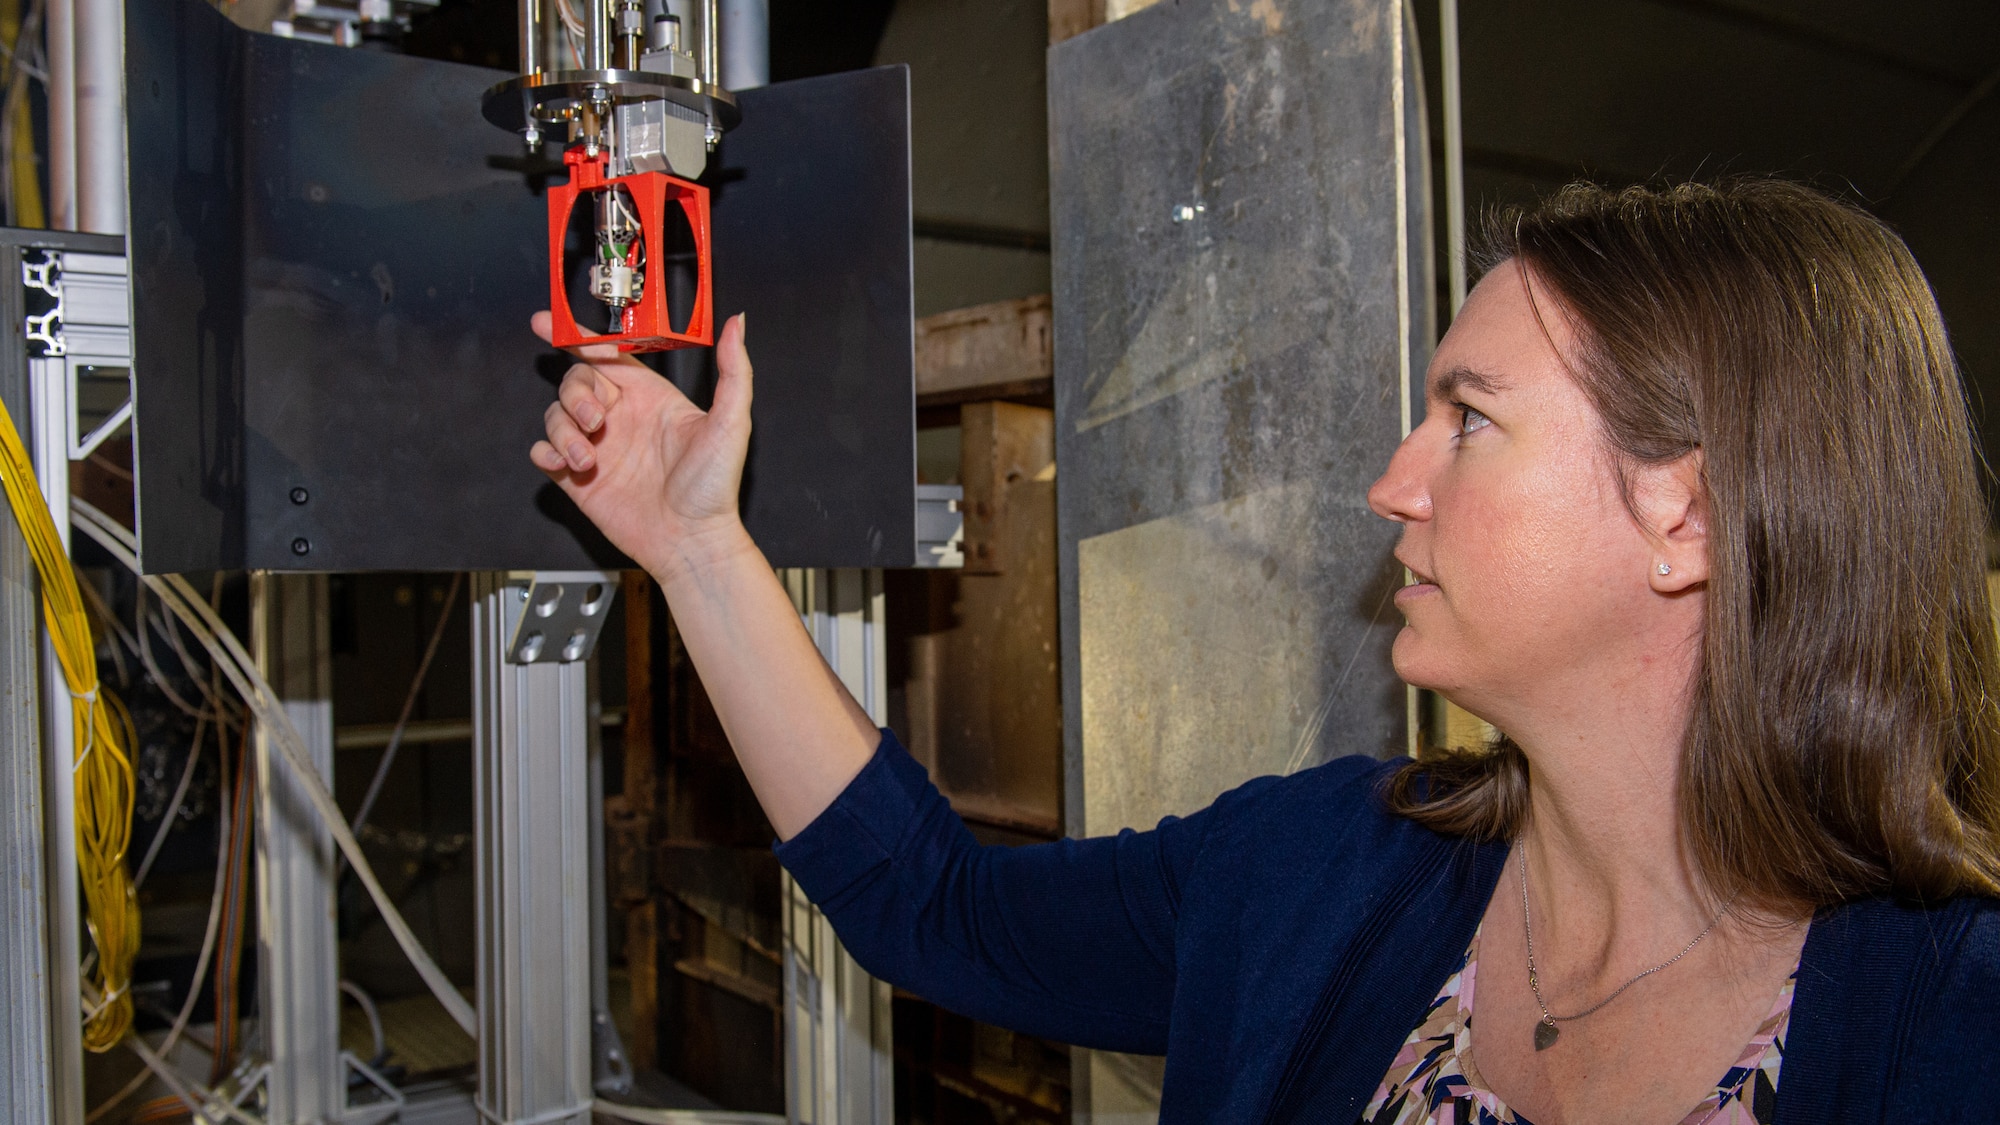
(799, 734)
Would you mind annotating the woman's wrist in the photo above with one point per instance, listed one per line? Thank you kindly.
(698, 553)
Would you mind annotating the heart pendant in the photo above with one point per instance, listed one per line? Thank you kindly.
(1545, 1035)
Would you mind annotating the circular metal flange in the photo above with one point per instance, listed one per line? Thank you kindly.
(546, 98)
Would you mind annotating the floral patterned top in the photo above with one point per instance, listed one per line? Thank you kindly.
(1433, 1080)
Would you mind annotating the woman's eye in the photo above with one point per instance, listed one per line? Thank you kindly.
(1470, 419)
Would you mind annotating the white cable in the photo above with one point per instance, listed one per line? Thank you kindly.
(368, 1009)
(173, 806)
(145, 651)
(236, 664)
(200, 969)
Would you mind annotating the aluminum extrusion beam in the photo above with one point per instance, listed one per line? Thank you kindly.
(48, 435)
(531, 821)
(838, 1068)
(28, 1093)
(298, 976)
(47, 944)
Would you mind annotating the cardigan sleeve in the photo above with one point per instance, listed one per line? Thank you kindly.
(1072, 941)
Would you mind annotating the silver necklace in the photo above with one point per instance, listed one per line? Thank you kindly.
(1546, 1030)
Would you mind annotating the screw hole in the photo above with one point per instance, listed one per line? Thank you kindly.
(547, 599)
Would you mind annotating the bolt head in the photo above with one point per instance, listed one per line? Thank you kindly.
(300, 496)
(302, 546)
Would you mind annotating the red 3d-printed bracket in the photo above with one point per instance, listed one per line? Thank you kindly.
(647, 327)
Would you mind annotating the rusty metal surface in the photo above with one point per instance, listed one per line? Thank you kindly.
(1242, 293)
(1240, 276)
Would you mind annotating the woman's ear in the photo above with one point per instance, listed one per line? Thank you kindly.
(1671, 503)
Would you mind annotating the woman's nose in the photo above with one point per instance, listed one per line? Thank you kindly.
(1401, 493)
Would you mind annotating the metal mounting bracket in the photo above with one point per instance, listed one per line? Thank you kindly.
(555, 616)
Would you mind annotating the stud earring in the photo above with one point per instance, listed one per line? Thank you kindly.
(1665, 569)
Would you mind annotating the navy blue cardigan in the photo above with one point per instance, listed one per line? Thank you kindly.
(1279, 945)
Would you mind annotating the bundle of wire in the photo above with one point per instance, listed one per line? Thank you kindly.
(102, 768)
(237, 666)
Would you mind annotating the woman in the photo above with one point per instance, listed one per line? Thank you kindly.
(1694, 518)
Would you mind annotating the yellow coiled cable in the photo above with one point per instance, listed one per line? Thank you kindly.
(102, 770)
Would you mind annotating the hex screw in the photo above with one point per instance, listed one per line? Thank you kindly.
(300, 496)
(301, 546)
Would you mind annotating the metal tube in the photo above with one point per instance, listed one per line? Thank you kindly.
(100, 116)
(62, 114)
(529, 28)
(1454, 152)
(710, 53)
(596, 35)
(746, 44)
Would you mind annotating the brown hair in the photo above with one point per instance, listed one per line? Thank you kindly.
(1845, 733)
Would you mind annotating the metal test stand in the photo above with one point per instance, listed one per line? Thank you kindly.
(93, 313)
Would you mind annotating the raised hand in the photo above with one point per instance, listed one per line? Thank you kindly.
(658, 475)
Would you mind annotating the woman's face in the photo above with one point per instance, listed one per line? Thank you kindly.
(1531, 577)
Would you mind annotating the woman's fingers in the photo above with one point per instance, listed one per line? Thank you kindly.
(567, 439)
(546, 458)
(733, 375)
(586, 394)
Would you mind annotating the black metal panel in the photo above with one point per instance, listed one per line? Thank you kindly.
(812, 225)
(185, 102)
(335, 258)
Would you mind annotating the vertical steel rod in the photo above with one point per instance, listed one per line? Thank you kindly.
(596, 34)
(298, 973)
(1454, 152)
(711, 61)
(746, 44)
(529, 29)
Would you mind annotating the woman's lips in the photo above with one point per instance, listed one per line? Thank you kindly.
(1413, 591)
